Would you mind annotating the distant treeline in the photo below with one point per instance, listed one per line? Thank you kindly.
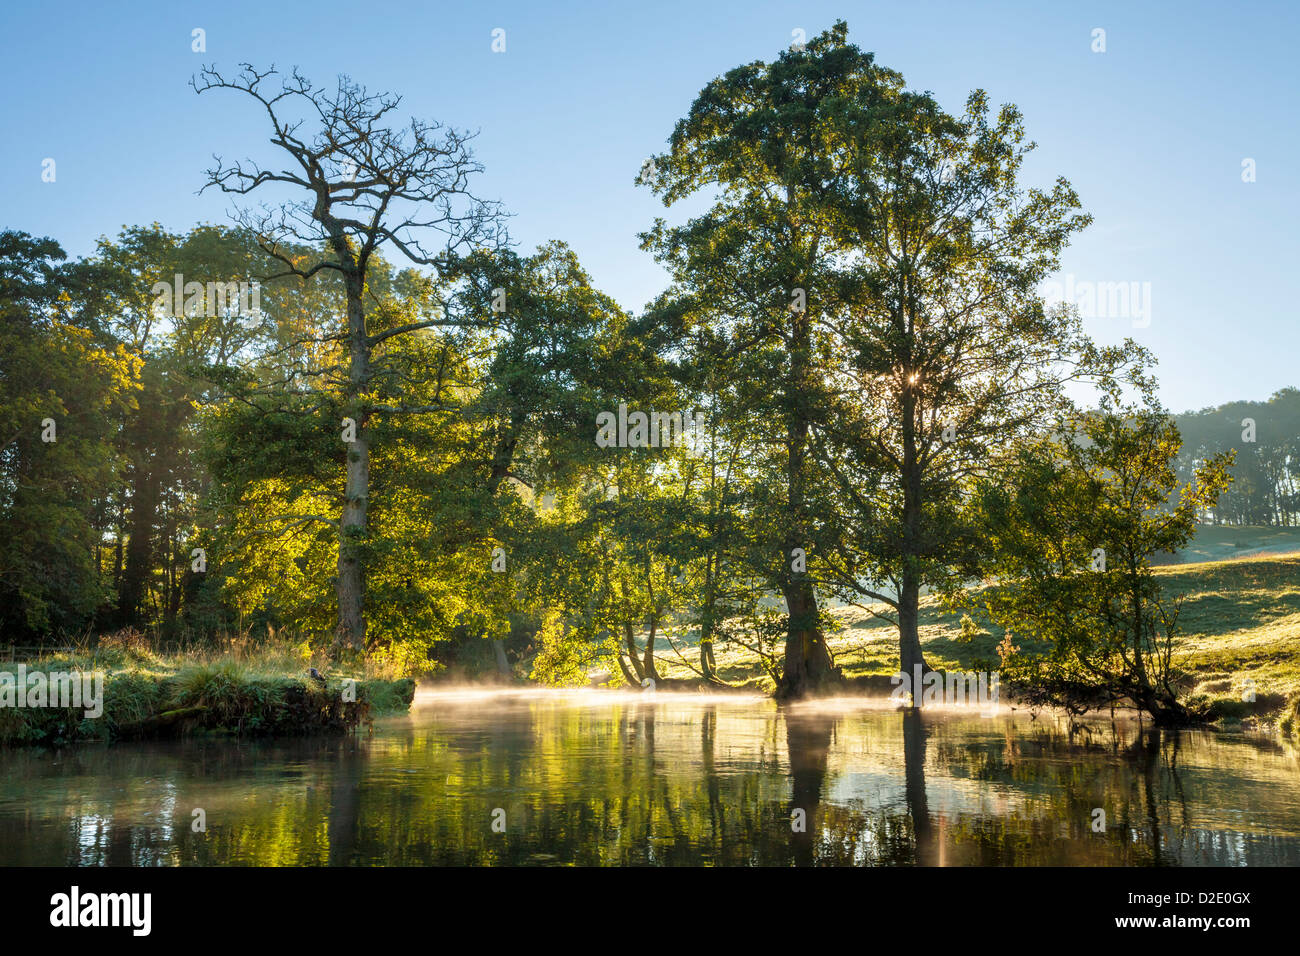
(1266, 476)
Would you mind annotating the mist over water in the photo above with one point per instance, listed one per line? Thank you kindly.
(622, 777)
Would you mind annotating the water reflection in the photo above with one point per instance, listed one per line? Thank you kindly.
(923, 837)
(595, 779)
(808, 743)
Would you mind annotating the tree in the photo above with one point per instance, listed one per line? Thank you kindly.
(368, 185)
(273, 449)
(179, 303)
(454, 549)
(62, 384)
(1074, 528)
(741, 272)
(867, 275)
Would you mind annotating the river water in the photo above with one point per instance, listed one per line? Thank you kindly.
(598, 778)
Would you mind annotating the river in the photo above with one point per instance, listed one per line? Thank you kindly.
(543, 777)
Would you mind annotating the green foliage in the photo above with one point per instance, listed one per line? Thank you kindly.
(61, 380)
(865, 286)
(563, 658)
(1074, 531)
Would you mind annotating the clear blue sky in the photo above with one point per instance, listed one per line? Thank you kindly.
(1152, 133)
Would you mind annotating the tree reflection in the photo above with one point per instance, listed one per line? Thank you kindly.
(808, 742)
(683, 781)
(926, 846)
(344, 805)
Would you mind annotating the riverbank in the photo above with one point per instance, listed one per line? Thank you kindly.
(134, 694)
(1238, 653)
(1239, 650)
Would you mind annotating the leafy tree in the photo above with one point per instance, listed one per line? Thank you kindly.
(741, 273)
(367, 185)
(61, 386)
(867, 277)
(1074, 528)
(176, 334)
(479, 424)
(952, 358)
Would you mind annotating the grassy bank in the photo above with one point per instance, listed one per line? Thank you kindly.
(1240, 620)
(239, 690)
(1231, 542)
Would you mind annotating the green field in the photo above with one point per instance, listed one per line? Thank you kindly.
(1227, 543)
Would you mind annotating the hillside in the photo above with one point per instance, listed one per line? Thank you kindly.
(1229, 542)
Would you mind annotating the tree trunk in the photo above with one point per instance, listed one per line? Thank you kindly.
(807, 659)
(631, 678)
(503, 665)
(173, 579)
(648, 664)
(117, 546)
(909, 635)
(909, 595)
(139, 547)
(632, 653)
(708, 666)
(352, 528)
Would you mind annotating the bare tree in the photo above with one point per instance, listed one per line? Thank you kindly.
(368, 184)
